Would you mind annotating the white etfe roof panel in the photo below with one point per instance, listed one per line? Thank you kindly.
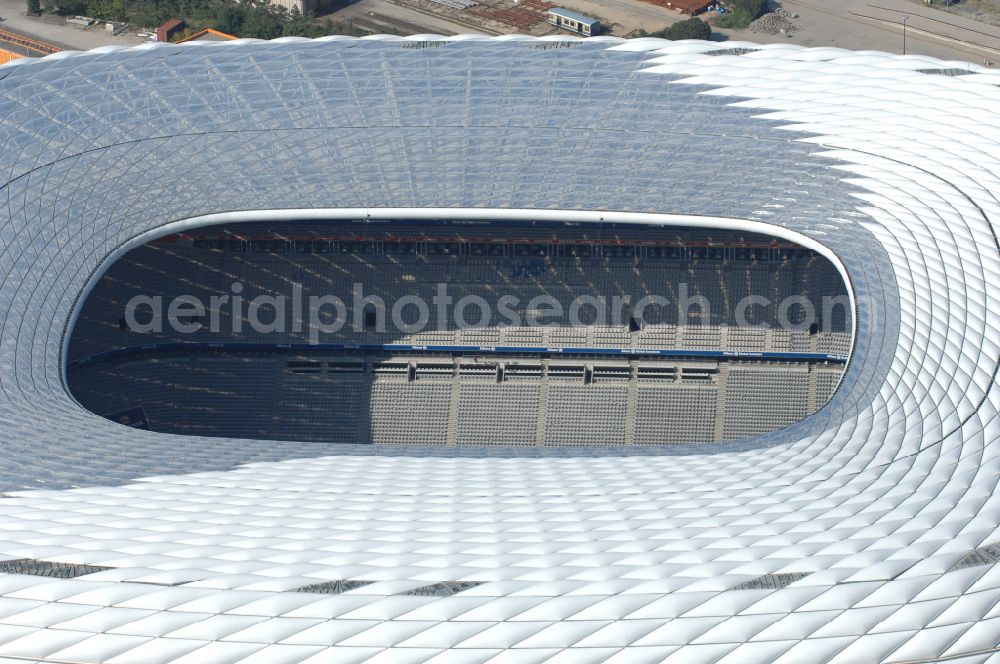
(852, 536)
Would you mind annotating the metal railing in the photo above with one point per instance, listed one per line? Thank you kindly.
(33, 44)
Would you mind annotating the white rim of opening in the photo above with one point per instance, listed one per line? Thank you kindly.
(459, 214)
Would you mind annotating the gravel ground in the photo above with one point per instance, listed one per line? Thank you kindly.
(875, 25)
(987, 11)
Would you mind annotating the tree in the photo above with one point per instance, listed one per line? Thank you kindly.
(34, 6)
(242, 18)
(693, 28)
(68, 7)
(754, 8)
(742, 13)
(106, 10)
(230, 20)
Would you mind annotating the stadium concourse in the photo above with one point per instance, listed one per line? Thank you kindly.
(865, 532)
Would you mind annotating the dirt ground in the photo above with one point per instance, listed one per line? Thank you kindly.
(621, 17)
(403, 18)
(877, 25)
(625, 16)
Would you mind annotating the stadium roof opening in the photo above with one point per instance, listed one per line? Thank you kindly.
(467, 332)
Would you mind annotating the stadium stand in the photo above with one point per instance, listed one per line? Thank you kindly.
(675, 414)
(453, 384)
(763, 399)
(497, 413)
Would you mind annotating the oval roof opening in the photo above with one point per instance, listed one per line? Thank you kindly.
(463, 332)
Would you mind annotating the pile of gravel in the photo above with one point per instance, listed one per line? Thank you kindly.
(778, 21)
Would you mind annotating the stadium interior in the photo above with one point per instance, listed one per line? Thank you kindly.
(692, 365)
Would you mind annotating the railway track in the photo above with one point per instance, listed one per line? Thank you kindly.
(379, 23)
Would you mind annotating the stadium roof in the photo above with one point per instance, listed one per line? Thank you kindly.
(864, 533)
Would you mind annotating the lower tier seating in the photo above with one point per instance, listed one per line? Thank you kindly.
(438, 400)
